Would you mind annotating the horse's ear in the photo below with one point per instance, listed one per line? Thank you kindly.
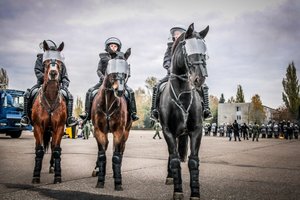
(127, 53)
(61, 47)
(204, 32)
(45, 46)
(189, 32)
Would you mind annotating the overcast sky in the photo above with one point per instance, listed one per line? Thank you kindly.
(249, 43)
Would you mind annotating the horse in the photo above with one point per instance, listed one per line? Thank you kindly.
(181, 110)
(49, 115)
(110, 114)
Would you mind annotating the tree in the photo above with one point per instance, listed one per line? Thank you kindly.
(150, 83)
(282, 113)
(213, 104)
(3, 79)
(78, 107)
(143, 109)
(256, 111)
(222, 99)
(291, 96)
(231, 100)
(240, 95)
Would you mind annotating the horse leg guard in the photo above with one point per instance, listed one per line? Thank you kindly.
(57, 169)
(169, 179)
(176, 173)
(101, 163)
(116, 164)
(39, 155)
(194, 176)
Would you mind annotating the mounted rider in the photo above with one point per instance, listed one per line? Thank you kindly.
(175, 32)
(64, 84)
(112, 49)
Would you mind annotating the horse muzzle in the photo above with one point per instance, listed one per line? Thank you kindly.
(53, 75)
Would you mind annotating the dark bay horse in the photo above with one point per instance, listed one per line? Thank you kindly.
(180, 108)
(49, 114)
(110, 114)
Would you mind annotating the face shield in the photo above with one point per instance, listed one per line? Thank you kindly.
(119, 66)
(195, 46)
(50, 55)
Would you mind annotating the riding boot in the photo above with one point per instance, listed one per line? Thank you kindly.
(57, 168)
(25, 121)
(206, 109)
(134, 116)
(71, 120)
(116, 165)
(101, 163)
(194, 176)
(154, 111)
(39, 155)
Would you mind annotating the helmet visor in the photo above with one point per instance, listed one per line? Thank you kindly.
(117, 66)
(195, 46)
(49, 55)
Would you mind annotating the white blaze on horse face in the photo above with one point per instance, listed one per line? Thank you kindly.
(53, 70)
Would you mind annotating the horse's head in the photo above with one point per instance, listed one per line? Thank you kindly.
(52, 60)
(118, 73)
(192, 47)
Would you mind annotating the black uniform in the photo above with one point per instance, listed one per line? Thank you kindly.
(235, 126)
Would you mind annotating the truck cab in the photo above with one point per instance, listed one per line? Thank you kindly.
(11, 111)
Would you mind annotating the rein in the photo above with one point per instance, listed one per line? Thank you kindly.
(49, 107)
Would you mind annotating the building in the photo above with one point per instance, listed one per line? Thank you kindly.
(228, 112)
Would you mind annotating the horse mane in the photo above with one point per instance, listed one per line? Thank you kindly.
(180, 38)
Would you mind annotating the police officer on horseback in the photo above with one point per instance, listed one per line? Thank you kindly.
(175, 32)
(112, 49)
(39, 72)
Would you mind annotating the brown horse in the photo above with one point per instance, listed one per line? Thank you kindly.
(49, 114)
(110, 114)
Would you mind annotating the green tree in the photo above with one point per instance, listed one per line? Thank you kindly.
(222, 99)
(3, 79)
(143, 109)
(213, 104)
(78, 107)
(240, 95)
(256, 111)
(291, 96)
(150, 83)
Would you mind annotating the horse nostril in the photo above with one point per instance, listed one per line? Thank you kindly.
(53, 73)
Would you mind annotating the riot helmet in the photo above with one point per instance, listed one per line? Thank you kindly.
(113, 40)
(176, 31)
(51, 45)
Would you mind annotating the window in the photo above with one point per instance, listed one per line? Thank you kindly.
(238, 117)
(238, 108)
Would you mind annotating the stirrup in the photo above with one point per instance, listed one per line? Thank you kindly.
(207, 114)
(154, 115)
(71, 121)
(84, 115)
(134, 117)
(25, 121)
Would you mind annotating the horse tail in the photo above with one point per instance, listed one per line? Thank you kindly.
(183, 147)
(46, 138)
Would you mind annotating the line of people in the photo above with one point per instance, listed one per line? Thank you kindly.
(287, 130)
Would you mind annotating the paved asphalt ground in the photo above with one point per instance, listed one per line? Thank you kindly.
(268, 169)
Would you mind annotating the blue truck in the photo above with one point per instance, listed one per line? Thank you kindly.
(11, 111)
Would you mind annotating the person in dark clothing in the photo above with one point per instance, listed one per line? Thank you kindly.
(229, 130)
(255, 132)
(236, 133)
(64, 81)
(176, 31)
(290, 130)
(244, 130)
(112, 50)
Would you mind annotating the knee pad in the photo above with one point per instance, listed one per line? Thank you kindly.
(117, 158)
(56, 152)
(175, 163)
(193, 163)
(39, 151)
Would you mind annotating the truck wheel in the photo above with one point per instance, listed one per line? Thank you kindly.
(15, 134)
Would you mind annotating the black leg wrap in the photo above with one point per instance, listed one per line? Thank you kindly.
(176, 173)
(194, 176)
(39, 154)
(101, 163)
(116, 164)
(56, 155)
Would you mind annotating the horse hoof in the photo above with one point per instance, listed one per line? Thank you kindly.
(51, 170)
(95, 173)
(57, 180)
(100, 185)
(178, 196)
(36, 180)
(169, 181)
(118, 188)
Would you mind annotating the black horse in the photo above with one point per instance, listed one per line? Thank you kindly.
(180, 108)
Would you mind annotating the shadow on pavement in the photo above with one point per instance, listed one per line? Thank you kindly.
(62, 194)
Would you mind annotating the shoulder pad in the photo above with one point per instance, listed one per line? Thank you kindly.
(39, 56)
(103, 55)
